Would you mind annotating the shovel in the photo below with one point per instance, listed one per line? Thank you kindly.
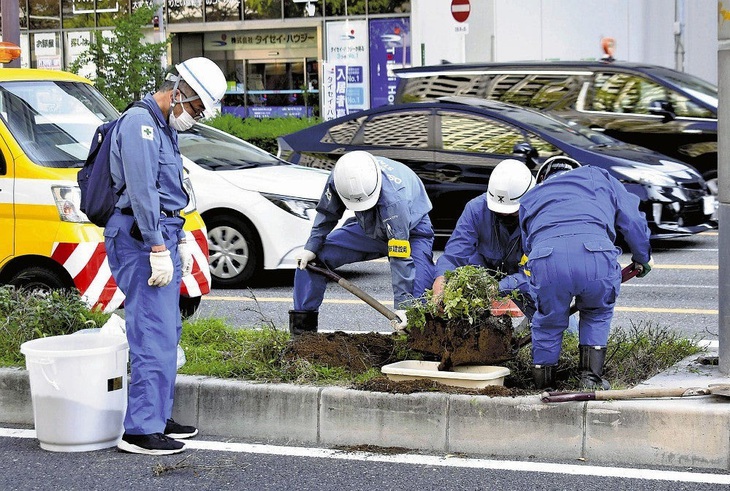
(331, 275)
(646, 393)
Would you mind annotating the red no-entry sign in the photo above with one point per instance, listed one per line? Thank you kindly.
(460, 10)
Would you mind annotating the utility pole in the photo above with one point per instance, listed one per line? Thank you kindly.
(11, 26)
(723, 172)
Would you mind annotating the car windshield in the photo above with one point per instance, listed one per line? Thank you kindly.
(215, 150)
(701, 89)
(53, 121)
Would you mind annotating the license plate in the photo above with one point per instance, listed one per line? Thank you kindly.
(709, 204)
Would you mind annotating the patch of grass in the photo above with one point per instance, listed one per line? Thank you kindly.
(634, 354)
(217, 349)
(260, 132)
(28, 315)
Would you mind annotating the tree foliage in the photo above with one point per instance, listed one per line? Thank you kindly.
(126, 67)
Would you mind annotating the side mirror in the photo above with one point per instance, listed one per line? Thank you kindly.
(528, 153)
(663, 109)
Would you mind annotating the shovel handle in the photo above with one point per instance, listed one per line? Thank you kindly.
(362, 295)
(614, 395)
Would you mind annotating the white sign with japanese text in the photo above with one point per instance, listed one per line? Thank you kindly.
(349, 61)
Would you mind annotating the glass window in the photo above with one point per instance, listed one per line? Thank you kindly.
(218, 151)
(465, 133)
(44, 14)
(300, 9)
(627, 93)
(23, 12)
(388, 6)
(222, 10)
(343, 133)
(184, 11)
(77, 43)
(45, 50)
(78, 13)
(54, 121)
(344, 7)
(407, 129)
(544, 148)
(262, 9)
(108, 12)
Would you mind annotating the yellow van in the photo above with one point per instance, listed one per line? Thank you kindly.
(47, 120)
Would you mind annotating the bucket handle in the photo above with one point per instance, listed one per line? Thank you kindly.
(43, 362)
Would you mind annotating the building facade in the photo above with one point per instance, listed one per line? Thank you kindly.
(331, 57)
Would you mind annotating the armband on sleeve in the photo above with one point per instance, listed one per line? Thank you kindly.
(399, 248)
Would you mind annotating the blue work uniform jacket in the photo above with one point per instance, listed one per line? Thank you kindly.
(401, 207)
(587, 200)
(145, 156)
(480, 239)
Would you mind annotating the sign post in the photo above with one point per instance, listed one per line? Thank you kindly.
(460, 10)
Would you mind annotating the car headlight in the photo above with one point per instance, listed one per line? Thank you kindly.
(296, 206)
(68, 202)
(192, 204)
(645, 176)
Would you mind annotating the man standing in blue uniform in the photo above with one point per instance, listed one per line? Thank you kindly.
(488, 234)
(145, 244)
(569, 222)
(391, 220)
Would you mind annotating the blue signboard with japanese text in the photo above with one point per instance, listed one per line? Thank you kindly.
(390, 48)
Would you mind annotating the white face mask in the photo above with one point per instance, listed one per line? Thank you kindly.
(184, 122)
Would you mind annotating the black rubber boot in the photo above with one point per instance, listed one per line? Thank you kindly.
(301, 321)
(544, 376)
(590, 365)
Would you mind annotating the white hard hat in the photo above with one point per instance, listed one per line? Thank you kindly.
(558, 163)
(205, 78)
(509, 181)
(358, 180)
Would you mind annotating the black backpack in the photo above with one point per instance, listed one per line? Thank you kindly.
(95, 178)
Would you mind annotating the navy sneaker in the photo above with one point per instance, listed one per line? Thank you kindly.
(154, 444)
(176, 430)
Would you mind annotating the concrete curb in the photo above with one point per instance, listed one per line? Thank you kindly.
(691, 432)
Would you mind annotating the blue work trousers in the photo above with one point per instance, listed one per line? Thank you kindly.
(153, 323)
(584, 267)
(349, 244)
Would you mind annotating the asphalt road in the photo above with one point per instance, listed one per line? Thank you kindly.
(681, 293)
(214, 465)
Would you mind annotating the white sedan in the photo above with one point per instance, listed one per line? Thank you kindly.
(258, 209)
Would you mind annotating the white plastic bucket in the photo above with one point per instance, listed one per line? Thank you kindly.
(78, 385)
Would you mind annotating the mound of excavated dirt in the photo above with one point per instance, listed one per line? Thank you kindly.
(486, 341)
(361, 352)
(355, 352)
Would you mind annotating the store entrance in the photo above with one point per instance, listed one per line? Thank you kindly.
(275, 88)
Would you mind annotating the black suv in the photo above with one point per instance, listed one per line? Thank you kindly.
(655, 107)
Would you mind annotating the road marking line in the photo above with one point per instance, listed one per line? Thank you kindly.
(360, 302)
(443, 461)
(657, 310)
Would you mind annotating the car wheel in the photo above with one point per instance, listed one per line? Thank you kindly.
(188, 306)
(234, 251)
(38, 279)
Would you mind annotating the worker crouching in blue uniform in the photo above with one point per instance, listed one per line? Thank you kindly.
(391, 220)
(569, 222)
(487, 233)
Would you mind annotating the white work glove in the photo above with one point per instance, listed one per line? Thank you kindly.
(401, 322)
(305, 257)
(162, 268)
(186, 259)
